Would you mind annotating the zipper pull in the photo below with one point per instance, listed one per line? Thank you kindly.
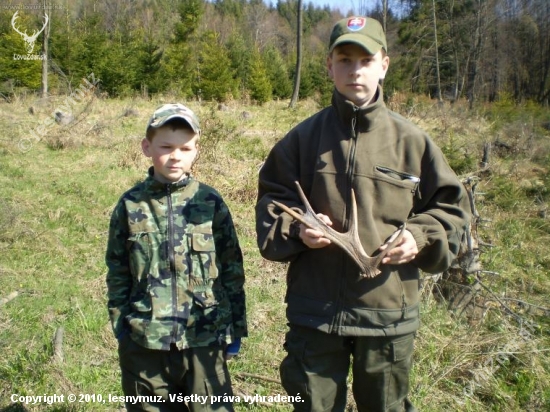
(354, 120)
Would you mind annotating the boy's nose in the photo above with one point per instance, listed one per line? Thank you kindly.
(175, 155)
(354, 69)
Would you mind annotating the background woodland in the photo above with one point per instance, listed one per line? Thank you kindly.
(481, 50)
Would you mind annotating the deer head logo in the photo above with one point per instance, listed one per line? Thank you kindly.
(29, 40)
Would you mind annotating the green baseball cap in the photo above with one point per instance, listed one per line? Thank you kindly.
(363, 31)
(174, 111)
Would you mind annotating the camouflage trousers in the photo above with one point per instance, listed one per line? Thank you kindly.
(317, 367)
(175, 380)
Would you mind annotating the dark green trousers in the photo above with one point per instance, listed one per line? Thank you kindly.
(317, 366)
(153, 375)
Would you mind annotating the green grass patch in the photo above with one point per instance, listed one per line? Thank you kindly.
(56, 200)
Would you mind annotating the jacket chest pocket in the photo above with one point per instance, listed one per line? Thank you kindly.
(140, 251)
(395, 190)
(202, 256)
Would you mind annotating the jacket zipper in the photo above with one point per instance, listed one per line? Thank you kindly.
(172, 265)
(351, 163)
(338, 321)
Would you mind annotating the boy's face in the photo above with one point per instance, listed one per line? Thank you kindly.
(356, 73)
(172, 153)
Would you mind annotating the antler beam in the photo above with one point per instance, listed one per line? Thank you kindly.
(348, 241)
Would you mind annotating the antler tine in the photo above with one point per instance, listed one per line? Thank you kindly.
(304, 199)
(15, 17)
(310, 218)
(348, 241)
(47, 19)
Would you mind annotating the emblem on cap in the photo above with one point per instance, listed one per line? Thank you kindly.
(356, 23)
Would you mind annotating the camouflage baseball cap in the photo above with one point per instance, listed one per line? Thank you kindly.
(363, 31)
(173, 111)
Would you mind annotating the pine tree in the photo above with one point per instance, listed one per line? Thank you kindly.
(241, 55)
(14, 70)
(215, 78)
(259, 84)
(180, 62)
(21, 73)
(277, 72)
(149, 71)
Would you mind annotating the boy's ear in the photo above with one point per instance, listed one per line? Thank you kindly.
(385, 66)
(145, 146)
(329, 66)
(195, 160)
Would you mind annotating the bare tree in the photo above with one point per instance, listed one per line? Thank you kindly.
(361, 9)
(438, 76)
(385, 15)
(478, 42)
(296, 91)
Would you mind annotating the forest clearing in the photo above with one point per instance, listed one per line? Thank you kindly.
(75, 98)
(58, 193)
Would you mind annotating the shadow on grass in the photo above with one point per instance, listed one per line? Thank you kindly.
(16, 407)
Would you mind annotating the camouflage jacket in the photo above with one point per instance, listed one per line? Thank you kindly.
(175, 268)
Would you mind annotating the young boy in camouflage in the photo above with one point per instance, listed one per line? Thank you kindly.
(175, 277)
(337, 317)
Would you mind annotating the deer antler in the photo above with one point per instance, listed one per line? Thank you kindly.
(348, 241)
(29, 40)
(15, 17)
(46, 20)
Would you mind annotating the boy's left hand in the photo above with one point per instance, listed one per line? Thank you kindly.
(232, 349)
(403, 252)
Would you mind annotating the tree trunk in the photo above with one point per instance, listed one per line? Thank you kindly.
(438, 92)
(479, 33)
(296, 91)
(45, 57)
(385, 16)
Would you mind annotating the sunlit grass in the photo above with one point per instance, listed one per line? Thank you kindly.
(56, 200)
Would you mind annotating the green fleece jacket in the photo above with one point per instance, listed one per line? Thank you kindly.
(398, 175)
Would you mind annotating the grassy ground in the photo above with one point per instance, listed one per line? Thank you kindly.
(56, 197)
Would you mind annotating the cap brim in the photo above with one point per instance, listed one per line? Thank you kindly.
(365, 42)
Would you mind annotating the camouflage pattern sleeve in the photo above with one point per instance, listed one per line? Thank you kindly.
(232, 271)
(119, 279)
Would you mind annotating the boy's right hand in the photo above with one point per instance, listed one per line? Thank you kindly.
(313, 238)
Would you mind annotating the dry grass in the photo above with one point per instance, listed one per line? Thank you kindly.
(59, 193)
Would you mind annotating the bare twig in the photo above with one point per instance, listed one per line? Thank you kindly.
(489, 272)
(254, 376)
(504, 305)
(485, 244)
(58, 345)
(524, 303)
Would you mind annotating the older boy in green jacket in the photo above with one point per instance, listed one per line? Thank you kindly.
(175, 277)
(338, 317)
